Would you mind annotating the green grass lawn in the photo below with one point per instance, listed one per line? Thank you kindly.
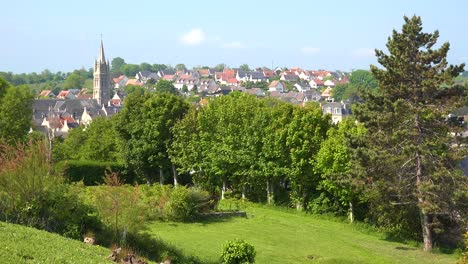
(19, 244)
(281, 236)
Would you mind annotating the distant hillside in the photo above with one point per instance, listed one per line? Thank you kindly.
(19, 244)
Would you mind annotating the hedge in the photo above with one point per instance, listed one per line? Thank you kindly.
(92, 172)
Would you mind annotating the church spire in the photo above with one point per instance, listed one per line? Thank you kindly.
(102, 58)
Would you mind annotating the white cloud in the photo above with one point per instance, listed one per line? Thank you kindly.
(364, 52)
(310, 50)
(234, 45)
(194, 37)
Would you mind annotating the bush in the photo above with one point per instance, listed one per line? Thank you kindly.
(186, 204)
(31, 195)
(92, 172)
(237, 252)
(119, 206)
(176, 204)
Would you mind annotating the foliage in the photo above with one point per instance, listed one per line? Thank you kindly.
(414, 160)
(238, 252)
(363, 80)
(177, 204)
(305, 133)
(130, 69)
(145, 124)
(119, 207)
(74, 81)
(244, 67)
(99, 141)
(180, 67)
(30, 195)
(116, 64)
(186, 204)
(15, 112)
(341, 175)
(163, 86)
(92, 172)
(464, 257)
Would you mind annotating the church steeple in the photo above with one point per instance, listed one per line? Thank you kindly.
(102, 77)
(102, 58)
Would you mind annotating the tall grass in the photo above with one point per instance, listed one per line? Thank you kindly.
(24, 177)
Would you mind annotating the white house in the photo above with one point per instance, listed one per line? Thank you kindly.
(276, 86)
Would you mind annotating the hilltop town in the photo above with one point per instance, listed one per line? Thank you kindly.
(71, 107)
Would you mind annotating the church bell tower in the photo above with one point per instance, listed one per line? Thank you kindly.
(102, 77)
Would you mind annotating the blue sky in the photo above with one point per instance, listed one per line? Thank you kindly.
(334, 35)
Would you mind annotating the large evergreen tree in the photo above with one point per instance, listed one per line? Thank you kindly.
(415, 166)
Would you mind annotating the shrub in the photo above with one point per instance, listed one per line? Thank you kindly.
(92, 172)
(176, 204)
(186, 204)
(31, 195)
(237, 252)
(119, 207)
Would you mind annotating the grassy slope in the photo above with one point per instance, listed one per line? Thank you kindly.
(287, 237)
(19, 244)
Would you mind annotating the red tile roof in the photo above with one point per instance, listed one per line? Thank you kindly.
(168, 77)
(118, 79)
(134, 82)
(232, 81)
(269, 73)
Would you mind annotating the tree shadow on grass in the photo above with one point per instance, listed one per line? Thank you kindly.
(405, 248)
(157, 250)
(211, 218)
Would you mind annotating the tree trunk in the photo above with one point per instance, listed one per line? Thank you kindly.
(174, 172)
(270, 194)
(223, 190)
(351, 212)
(161, 177)
(243, 191)
(425, 221)
(299, 206)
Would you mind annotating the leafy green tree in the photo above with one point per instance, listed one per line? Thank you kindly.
(184, 89)
(180, 67)
(134, 88)
(228, 142)
(416, 165)
(15, 112)
(306, 132)
(145, 66)
(130, 69)
(341, 175)
(163, 86)
(363, 80)
(220, 67)
(185, 151)
(244, 67)
(116, 64)
(339, 91)
(273, 160)
(74, 81)
(99, 142)
(145, 124)
(158, 67)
